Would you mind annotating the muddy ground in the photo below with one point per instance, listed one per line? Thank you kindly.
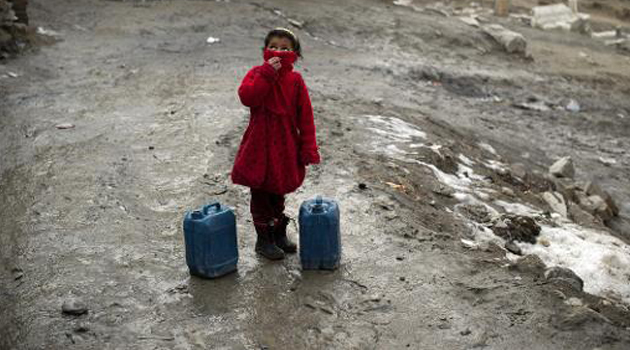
(94, 212)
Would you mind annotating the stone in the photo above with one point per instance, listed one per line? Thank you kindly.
(565, 275)
(529, 264)
(63, 126)
(507, 191)
(516, 227)
(512, 247)
(556, 202)
(17, 273)
(592, 188)
(519, 170)
(471, 21)
(595, 205)
(582, 217)
(566, 187)
(563, 167)
(579, 318)
(74, 307)
(559, 16)
(511, 41)
(475, 212)
(544, 242)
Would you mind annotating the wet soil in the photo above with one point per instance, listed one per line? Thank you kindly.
(94, 212)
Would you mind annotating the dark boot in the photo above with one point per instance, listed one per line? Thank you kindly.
(280, 235)
(264, 243)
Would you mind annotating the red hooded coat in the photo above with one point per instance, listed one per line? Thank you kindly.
(280, 138)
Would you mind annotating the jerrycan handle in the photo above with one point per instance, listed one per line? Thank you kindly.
(207, 207)
(319, 205)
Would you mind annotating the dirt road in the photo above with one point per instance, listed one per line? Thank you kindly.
(400, 96)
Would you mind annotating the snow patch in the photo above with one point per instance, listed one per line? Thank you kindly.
(495, 165)
(518, 208)
(465, 160)
(601, 260)
(487, 147)
(394, 129)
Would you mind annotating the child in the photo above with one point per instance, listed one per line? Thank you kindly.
(279, 141)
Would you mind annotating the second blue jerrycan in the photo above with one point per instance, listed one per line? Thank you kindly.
(320, 240)
(210, 238)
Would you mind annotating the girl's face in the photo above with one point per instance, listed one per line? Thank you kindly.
(280, 44)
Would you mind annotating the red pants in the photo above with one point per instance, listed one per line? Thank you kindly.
(266, 208)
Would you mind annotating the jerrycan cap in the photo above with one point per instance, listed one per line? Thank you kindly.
(197, 214)
(318, 207)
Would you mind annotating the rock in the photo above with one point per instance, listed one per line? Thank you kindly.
(516, 227)
(582, 217)
(475, 212)
(530, 264)
(295, 23)
(607, 161)
(471, 21)
(565, 275)
(64, 126)
(566, 187)
(556, 202)
(574, 301)
(592, 188)
(559, 16)
(544, 242)
(519, 170)
(595, 205)
(512, 247)
(563, 168)
(604, 35)
(512, 42)
(539, 106)
(82, 328)
(213, 40)
(573, 106)
(74, 307)
(578, 318)
(507, 191)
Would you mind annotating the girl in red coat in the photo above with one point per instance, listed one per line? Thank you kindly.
(279, 141)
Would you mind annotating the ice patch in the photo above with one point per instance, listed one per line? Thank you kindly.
(601, 260)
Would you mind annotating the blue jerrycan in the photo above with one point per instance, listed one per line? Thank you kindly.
(320, 240)
(210, 238)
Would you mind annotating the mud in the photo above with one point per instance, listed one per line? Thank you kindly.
(94, 212)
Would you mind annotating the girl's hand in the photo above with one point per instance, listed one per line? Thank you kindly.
(275, 62)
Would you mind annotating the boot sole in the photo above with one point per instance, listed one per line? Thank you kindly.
(274, 258)
(289, 250)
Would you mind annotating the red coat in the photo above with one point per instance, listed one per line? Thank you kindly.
(280, 138)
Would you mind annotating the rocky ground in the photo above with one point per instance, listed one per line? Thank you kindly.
(436, 142)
